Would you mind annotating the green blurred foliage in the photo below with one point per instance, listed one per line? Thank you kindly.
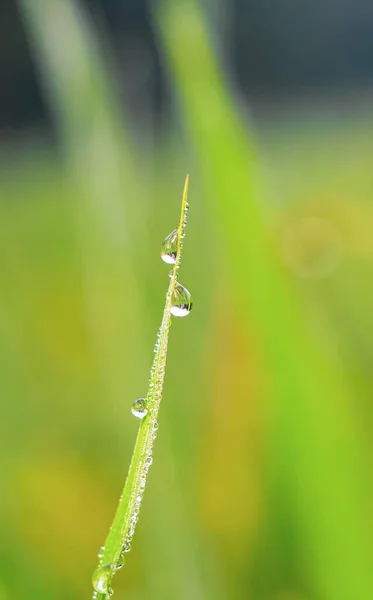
(262, 478)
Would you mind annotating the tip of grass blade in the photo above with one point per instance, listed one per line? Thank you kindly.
(123, 527)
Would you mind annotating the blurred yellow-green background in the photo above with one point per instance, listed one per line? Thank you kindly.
(261, 486)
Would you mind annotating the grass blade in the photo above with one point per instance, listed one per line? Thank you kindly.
(123, 527)
(101, 173)
(315, 448)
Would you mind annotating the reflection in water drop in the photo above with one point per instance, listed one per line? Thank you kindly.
(140, 408)
(181, 301)
(100, 579)
(169, 248)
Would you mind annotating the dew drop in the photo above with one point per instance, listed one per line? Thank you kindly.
(100, 579)
(120, 563)
(181, 301)
(169, 248)
(139, 408)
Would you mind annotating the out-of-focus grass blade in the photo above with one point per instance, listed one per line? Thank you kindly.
(102, 174)
(319, 473)
(75, 79)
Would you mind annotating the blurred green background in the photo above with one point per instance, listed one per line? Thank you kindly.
(261, 486)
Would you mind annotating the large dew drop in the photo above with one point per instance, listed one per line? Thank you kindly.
(140, 408)
(169, 248)
(181, 301)
(100, 579)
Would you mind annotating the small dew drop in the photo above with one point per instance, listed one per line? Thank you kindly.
(169, 248)
(139, 408)
(120, 563)
(181, 301)
(100, 579)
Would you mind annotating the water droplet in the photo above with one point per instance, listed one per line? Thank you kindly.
(120, 563)
(139, 408)
(100, 579)
(169, 248)
(181, 301)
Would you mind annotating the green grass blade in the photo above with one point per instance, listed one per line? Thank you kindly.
(315, 448)
(122, 530)
(101, 174)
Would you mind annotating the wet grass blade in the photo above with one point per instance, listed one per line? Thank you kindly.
(122, 530)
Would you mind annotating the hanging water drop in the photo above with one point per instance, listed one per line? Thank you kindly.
(100, 579)
(169, 248)
(140, 408)
(181, 301)
(120, 563)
